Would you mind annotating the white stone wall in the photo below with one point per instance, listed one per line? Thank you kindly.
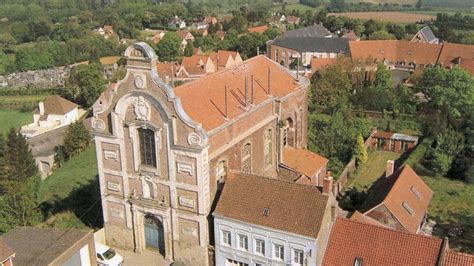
(270, 236)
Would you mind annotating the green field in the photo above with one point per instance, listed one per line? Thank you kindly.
(293, 6)
(13, 118)
(372, 169)
(71, 190)
(453, 206)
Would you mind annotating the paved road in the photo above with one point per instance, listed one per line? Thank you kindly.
(141, 259)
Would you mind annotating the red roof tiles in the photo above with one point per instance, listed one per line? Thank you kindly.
(404, 187)
(303, 161)
(293, 208)
(6, 252)
(258, 29)
(376, 245)
(395, 51)
(452, 258)
(321, 63)
(200, 98)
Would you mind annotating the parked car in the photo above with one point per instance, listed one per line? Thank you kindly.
(107, 256)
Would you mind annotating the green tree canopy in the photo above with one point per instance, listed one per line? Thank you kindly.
(77, 139)
(18, 163)
(331, 87)
(85, 84)
(360, 151)
(168, 47)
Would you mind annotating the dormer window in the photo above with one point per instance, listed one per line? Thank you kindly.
(415, 192)
(407, 208)
(358, 261)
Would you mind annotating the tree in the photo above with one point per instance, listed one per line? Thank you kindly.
(168, 47)
(20, 207)
(383, 78)
(85, 84)
(331, 87)
(360, 150)
(381, 35)
(18, 163)
(189, 49)
(77, 139)
(450, 90)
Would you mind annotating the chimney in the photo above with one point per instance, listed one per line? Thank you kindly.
(327, 185)
(41, 108)
(390, 168)
(246, 92)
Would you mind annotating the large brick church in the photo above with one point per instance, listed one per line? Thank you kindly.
(164, 153)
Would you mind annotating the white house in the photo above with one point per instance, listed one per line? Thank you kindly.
(52, 113)
(263, 221)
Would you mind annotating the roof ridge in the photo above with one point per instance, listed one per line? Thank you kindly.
(389, 229)
(220, 71)
(277, 180)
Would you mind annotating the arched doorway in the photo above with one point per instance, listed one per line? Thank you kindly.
(154, 234)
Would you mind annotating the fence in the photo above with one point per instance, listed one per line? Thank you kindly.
(349, 169)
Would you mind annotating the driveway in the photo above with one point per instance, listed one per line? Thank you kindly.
(145, 258)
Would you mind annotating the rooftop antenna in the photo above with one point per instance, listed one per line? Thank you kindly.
(269, 81)
(225, 104)
(246, 91)
(251, 90)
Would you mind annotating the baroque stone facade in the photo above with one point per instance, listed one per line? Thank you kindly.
(162, 161)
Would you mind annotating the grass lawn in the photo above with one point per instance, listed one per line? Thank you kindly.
(373, 169)
(13, 118)
(71, 190)
(453, 206)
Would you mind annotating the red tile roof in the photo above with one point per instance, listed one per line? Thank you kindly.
(166, 69)
(451, 51)
(402, 187)
(293, 208)
(321, 63)
(303, 161)
(183, 34)
(200, 98)
(195, 64)
(56, 105)
(5, 251)
(452, 258)
(394, 51)
(376, 245)
(359, 217)
(258, 29)
(467, 64)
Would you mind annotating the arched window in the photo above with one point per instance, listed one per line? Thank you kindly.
(246, 157)
(268, 146)
(147, 146)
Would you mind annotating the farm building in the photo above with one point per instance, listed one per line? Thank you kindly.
(390, 141)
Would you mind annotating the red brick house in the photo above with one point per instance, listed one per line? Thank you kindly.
(6, 254)
(389, 141)
(399, 200)
(357, 243)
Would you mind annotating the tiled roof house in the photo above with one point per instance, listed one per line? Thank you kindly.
(275, 212)
(352, 242)
(6, 254)
(355, 243)
(399, 200)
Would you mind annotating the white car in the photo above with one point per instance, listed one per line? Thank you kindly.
(107, 256)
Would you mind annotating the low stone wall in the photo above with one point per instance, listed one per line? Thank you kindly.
(46, 78)
(350, 168)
